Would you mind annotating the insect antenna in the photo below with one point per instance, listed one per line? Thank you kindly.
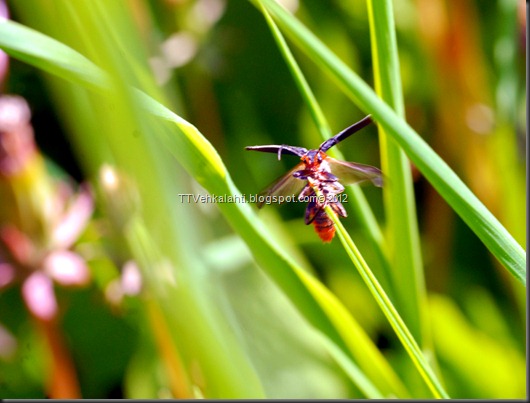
(279, 150)
(326, 145)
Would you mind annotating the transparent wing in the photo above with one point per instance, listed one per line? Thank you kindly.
(338, 208)
(353, 172)
(286, 185)
(312, 209)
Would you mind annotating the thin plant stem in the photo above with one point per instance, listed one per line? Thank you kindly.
(389, 310)
(62, 377)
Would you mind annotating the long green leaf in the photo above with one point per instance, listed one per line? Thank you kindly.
(402, 235)
(363, 212)
(321, 308)
(389, 310)
(496, 238)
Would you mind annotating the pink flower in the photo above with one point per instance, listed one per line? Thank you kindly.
(41, 217)
(66, 268)
(37, 291)
(37, 268)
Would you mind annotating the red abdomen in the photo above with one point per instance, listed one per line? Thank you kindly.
(324, 226)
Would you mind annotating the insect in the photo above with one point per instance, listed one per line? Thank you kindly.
(320, 179)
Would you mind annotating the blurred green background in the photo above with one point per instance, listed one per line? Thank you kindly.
(216, 64)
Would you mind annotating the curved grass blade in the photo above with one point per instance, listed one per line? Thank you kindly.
(496, 238)
(321, 308)
(389, 310)
(402, 239)
(71, 66)
(363, 212)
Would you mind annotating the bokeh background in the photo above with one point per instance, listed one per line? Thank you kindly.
(215, 63)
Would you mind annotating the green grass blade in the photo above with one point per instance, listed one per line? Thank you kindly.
(71, 66)
(308, 96)
(496, 238)
(402, 235)
(319, 307)
(389, 310)
(363, 212)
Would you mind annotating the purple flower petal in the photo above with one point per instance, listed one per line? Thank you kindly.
(38, 294)
(67, 268)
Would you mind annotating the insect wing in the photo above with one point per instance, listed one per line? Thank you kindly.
(338, 208)
(286, 185)
(353, 172)
(312, 210)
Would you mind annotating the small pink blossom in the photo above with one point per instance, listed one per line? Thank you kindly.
(38, 255)
(74, 219)
(38, 266)
(67, 268)
(129, 283)
(131, 279)
(38, 294)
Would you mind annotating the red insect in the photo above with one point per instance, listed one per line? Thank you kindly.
(319, 174)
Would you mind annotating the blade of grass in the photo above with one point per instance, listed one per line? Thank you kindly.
(496, 238)
(402, 238)
(389, 310)
(363, 212)
(203, 338)
(315, 302)
(200, 159)
(71, 66)
(299, 79)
